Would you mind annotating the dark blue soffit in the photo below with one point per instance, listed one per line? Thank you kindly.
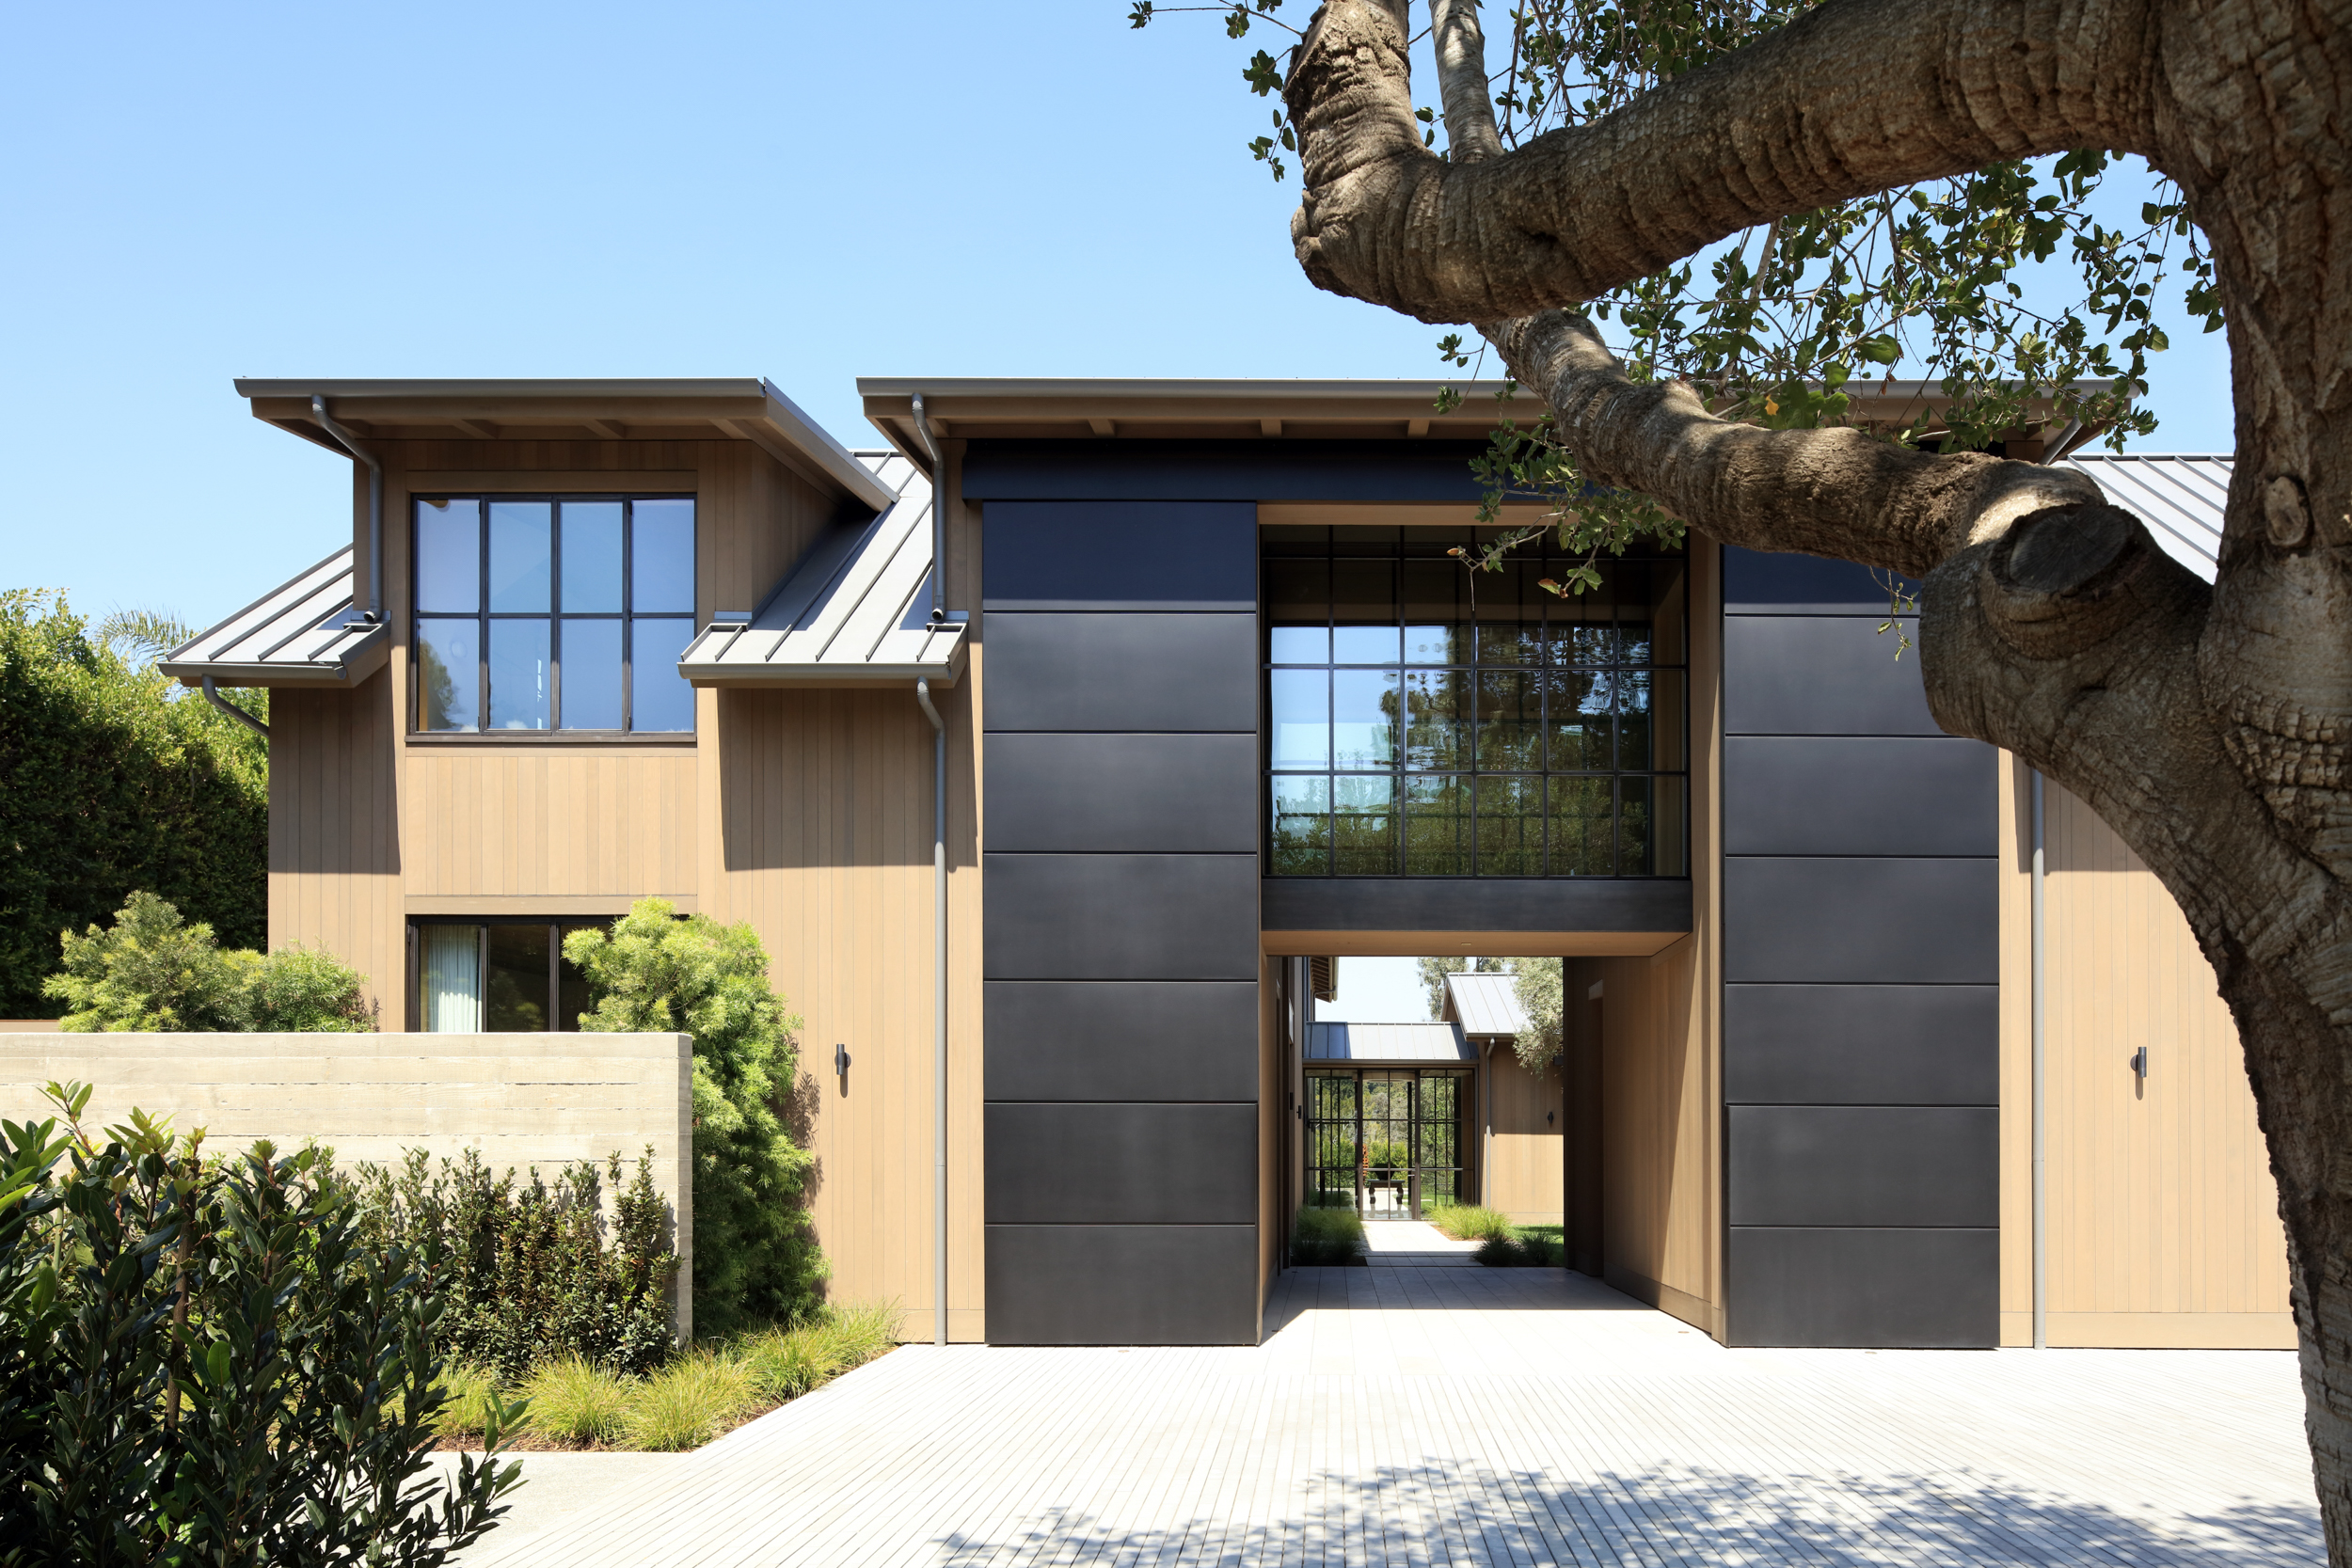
(1271, 471)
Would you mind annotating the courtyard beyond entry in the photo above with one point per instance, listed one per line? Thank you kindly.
(1441, 1415)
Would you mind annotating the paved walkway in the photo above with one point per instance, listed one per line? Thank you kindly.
(1427, 1416)
(1413, 1244)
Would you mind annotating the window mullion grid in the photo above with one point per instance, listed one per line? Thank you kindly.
(555, 618)
(482, 611)
(628, 619)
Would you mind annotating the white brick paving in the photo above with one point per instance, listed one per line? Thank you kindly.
(1440, 1416)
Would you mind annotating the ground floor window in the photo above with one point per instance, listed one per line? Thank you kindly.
(1388, 1141)
(494, 976)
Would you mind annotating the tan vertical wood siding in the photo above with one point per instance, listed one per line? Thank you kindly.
(1657, 1059)
(1524, 1170)
(334, 840)
(2162, 1215)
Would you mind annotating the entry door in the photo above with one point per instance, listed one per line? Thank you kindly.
(1388, 1141)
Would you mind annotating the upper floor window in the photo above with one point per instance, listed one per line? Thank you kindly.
(1423, 721)
(553, 614)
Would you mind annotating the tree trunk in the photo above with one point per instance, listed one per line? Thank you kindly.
(2210, 727)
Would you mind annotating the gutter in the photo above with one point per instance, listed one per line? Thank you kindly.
(213, 697)
(939, 892)
(350, 443)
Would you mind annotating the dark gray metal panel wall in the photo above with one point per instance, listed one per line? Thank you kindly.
(1120, 937)
(1861, 1010)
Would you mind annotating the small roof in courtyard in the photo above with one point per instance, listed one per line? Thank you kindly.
(1486, 1004)
(854, 610)
(1385, 1044)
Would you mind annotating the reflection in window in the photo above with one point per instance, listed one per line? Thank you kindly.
(1421, 723)
(535, 613)
(496, 977)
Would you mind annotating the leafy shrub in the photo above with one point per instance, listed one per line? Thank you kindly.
(689, 1402)
(756, 1259)
(577, 1399)
(1518, 1250)
(1389, 1155)
(155, 971)
(116, 779)
(214, 1363)
(528, 1270)
(1468, 1222)
(1327, 1236)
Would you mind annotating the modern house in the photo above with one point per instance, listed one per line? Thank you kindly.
(1046, 750)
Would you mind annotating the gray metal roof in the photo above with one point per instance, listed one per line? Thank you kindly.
(854, 610)
(1373, 1044)
(1485, 1004)
(303, 632)
(2180, 495)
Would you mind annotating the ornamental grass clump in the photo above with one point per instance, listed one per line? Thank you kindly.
(1327, 1236)
(1519, 1249)
(575, 1400)
(689, 1402)
(1468, 1222)
(755, 1258)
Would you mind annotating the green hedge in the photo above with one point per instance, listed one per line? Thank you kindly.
(113, 784)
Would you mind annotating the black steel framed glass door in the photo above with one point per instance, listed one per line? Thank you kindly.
(1387, 1141)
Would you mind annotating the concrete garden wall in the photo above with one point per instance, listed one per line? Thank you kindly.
(540, 1100)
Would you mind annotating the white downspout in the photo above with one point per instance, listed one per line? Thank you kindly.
(938, 888)
(1486, 1122)
(2040, 1189)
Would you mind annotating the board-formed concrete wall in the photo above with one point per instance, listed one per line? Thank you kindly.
(541, 1100)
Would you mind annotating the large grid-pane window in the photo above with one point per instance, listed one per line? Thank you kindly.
(553, 614)
(1426, 721)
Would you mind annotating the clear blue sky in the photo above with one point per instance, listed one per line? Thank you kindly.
(809, 193)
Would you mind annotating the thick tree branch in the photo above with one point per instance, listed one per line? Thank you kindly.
(1855, 97)
(1470, 136)
(1832, 491)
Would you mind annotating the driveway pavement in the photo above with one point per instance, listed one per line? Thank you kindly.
(1428, 1413)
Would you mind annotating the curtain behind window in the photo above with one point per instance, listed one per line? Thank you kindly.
(452, 979)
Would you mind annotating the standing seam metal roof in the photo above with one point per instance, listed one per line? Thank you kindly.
(1388, 1042)
(302, 633)
(856, 608)
(1486, 1003)
(2180, 495)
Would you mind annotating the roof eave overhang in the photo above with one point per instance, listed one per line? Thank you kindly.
(733, 408)
(1080, 408)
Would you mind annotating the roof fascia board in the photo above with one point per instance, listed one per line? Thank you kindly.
(748, 409)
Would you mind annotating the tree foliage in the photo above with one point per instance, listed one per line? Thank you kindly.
(1539, 986)
(208, 1363)
(152, 971)
(1780, 326)
(115, 780)
(756, 1259)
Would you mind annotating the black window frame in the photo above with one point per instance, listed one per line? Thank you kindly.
(553, 616)
(555, 925)
(1401, 547)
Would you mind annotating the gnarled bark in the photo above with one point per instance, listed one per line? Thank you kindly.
(2212, 728)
